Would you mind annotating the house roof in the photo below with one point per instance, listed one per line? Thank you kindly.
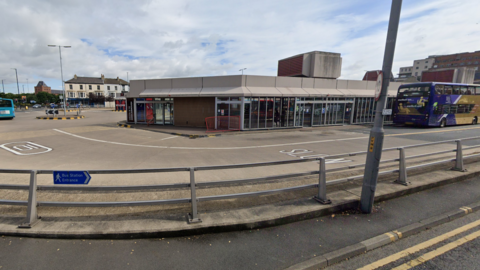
(87, 80)
(115, 81)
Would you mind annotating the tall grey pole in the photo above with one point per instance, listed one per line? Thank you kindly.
(375, 143)
(18, 87)
(63, 84)
(61, 72)
(3, 86)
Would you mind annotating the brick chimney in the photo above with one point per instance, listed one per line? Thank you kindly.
(75, 76)
(103, 77)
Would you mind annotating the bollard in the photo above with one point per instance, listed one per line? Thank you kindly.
(402, 169)
(32, 217)
(322, 184)
(193, 217)
(459, 158)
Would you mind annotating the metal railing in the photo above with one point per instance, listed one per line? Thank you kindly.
(32, 203)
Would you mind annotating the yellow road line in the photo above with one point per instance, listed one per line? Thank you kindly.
(439, 251)
(416, 248)
(427, 132)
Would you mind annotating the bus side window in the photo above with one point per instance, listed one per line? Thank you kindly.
(478, 90)
(445, 109)
(439, 89)
(448, 90)
(471, 90)
(456, 90)
(463, 90)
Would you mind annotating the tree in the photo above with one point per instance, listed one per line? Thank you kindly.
(93, 98)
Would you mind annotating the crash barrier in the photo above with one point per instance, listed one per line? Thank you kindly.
(32, 204)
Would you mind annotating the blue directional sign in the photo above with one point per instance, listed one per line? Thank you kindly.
(71, 177)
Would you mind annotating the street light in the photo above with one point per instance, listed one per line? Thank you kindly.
(18, 88)
(61, 71)
(242, 70)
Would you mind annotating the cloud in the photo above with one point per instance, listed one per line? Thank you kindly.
(156, 39)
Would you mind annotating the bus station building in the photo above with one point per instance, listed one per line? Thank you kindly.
(249, 102)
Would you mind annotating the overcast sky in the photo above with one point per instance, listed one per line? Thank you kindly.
(181, 38)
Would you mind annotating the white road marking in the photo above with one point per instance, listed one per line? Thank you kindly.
(207, 148)
(23, 148)
(169, 138)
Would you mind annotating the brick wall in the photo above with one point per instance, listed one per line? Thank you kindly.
(39, 89)
(192, 111)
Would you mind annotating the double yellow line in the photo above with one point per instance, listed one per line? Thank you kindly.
(430, 255)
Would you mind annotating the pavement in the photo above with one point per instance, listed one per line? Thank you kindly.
(217, 216)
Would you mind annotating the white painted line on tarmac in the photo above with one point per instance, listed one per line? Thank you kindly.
(169, 138)
(26, 148)
(207, 148)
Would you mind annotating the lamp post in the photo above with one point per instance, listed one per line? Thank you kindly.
(27, 85)
(3, 87)
(61, 71)
(242, 70)
(18, 87)
(374, 153)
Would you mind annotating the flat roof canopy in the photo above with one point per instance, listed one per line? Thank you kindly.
(254, 86)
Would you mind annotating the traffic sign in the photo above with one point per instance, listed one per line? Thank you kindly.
(378, 86)
(71, 177)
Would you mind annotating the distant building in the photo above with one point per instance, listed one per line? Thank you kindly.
(79, 88)
(42, 87)
(405, 72)
(115, 87)
(372, 75)
(314, 64)
(441, 63)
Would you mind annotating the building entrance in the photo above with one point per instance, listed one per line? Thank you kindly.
(163, 113)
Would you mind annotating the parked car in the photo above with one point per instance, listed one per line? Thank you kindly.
(36, 106)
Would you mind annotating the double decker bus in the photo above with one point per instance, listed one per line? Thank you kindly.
(6, 108)
(437, 104)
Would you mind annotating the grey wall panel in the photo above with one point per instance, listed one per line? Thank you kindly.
(288, 82)
(308, 82)
(356, 84)
(136, 87)
(326, 84)
(260, 81)
(158, 84)
(224, 81)
(195, 82)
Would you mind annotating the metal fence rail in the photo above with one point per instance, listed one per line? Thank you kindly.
(32, 203)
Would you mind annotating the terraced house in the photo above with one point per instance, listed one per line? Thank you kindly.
(78, 88)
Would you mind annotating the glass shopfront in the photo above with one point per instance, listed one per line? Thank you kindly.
(284, 112)
(157, 111)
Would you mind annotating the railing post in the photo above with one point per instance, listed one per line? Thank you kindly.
(322, 184)
(32, 217)
(402, 169)
(459, 159)
(193, 217)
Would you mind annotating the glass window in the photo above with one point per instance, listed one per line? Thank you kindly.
(235, 99)
(222, 98)
(477, 92)
(98, 87)
(115, 88)
(456, 90)
(448, 90)
(439, 89)
(463, 90)
(81, 87)
(71, 86)
(471, 90)
(262, 112)
(254, 113)
(89, 87)
(108, 87)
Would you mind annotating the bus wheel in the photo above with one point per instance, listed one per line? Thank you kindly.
(474, 121)
(443, 123)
